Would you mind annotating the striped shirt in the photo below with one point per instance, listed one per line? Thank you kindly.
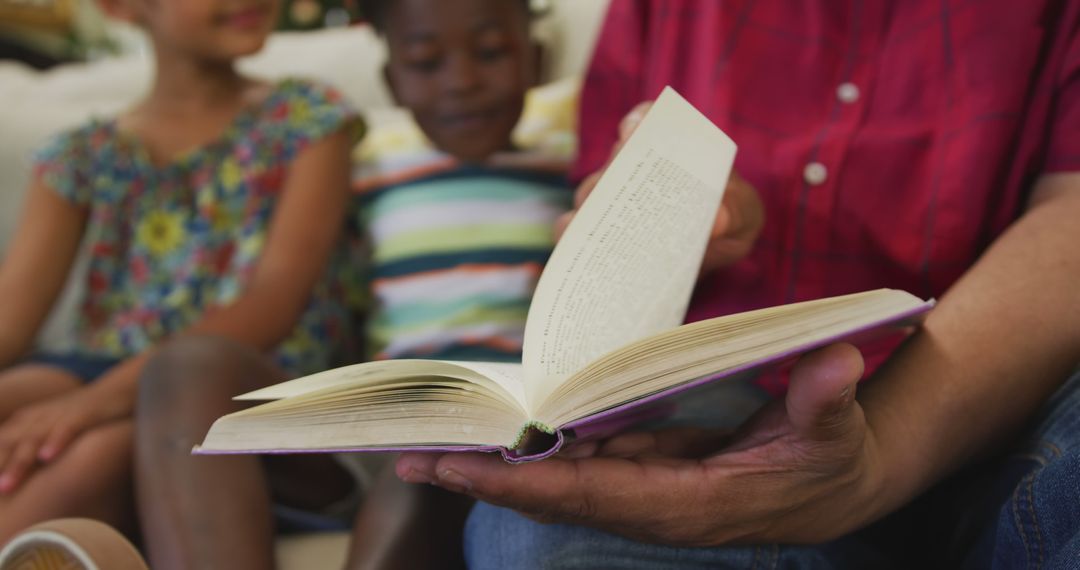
(455, 255)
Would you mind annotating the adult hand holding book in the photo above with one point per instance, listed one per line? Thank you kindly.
(739, 219)
(603, 344)
(778, 480)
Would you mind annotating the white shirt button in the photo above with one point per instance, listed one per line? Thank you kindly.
(815, 174)
(847, 93)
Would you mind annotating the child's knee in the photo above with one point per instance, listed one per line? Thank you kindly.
(106, 449)
(186, 366)
(197, 371)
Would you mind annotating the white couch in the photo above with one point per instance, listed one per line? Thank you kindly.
(35, 105)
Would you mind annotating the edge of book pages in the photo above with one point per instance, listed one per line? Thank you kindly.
(541, 442)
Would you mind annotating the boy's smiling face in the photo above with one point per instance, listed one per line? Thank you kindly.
(462, 67)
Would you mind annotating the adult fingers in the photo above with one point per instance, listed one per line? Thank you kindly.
(657, 500)
(739, 221)
(586, 187)
(561, 222)
(580, 450)
(821, 397)
(683, 442)
(742, 214)
(630, 122)
(416, 467)
(627, 127)
(582, 192)
(592, 491)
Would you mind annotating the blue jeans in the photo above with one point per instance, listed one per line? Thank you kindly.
(1017, 511)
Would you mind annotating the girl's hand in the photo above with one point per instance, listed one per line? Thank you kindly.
(738, 221)
(38, 433)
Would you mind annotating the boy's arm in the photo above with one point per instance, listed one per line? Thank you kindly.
(35, 267)
(821, 464)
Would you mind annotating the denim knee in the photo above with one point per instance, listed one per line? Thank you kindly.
(501, 538)
(1039, 526)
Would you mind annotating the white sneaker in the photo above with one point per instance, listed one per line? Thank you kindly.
(70, 544)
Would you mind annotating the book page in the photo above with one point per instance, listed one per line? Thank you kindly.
(627, 264)
(503, 379)
(721, 346)
(428, 411)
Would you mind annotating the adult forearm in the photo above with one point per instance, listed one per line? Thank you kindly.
(998, 344)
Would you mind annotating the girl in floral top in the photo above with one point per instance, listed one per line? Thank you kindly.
(211, 207)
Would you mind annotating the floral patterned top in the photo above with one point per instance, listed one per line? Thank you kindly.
(168, 243)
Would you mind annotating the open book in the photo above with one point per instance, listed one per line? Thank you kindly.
(603, 344)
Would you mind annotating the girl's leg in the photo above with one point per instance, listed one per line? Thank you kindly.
(92, 479)
(30, 383)
(203, 511)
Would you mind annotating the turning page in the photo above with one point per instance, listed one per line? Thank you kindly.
(627, 264)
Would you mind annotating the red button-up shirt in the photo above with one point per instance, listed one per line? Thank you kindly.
(891, 141)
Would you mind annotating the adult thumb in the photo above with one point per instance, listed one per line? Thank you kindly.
(821, 397)
(561, 223)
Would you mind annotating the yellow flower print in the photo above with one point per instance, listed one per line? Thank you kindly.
(231, 175)
(110, 339)
(205, 200)
(160, 232)
(221, 220)
(251, 246)
(302, 341)
(300, 112)
(179, 297)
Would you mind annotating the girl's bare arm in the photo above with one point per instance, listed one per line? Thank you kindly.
(35, 267)
(302, 233)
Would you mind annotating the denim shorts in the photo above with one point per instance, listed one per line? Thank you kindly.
(83, 366)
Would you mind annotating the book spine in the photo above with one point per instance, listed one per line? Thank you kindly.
(536, 441)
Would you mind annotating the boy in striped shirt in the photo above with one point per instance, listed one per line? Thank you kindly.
(459, 228)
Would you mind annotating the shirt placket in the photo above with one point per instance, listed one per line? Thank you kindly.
(822, 169)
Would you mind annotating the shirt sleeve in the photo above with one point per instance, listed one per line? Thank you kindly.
(64, 165)
(613, 83)
(312, 111)
(1063, 148)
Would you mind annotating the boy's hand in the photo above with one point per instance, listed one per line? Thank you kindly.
(738, 221)
(38, 433)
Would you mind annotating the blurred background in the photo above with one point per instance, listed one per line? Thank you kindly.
(45, 33)
(62, 62)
